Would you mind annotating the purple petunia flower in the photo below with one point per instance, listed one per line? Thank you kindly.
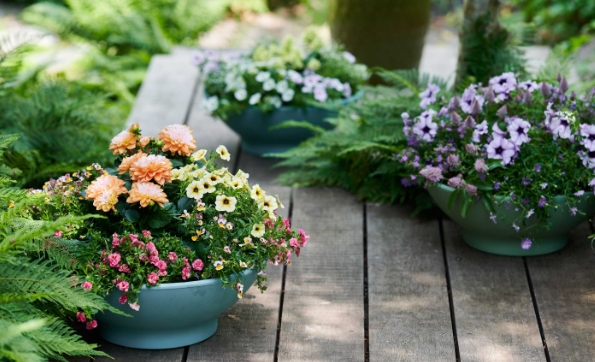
(526, 180)
(542, 201)
(519, 129)
(429, 95)
(560, 126)
(503, 83)
(496, 185)
(469, 96)
(588, 133)
(588, 158)
(537, 168)
(480, 165)
(501, 148)
(433, 174)
(425, 128)
(526, 244)
(480, 129)
(529, 86)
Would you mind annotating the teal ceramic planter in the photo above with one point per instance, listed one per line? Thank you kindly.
(481, 233)
(257, 137)
(171, 315)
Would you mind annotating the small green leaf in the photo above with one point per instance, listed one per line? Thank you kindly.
(176, 163)
(159, 220)
(452, 198)
(131, 215)
(185, 203)
(467, 202)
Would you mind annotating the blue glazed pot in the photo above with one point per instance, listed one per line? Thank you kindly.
(171, 315)
(480, 232)
(257, 137)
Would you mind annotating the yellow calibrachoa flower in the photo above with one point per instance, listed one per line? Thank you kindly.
(257, 230)
(268, 203)
(200, 155)
(225, 203)
(236, 183)
(223, 153)
(194, 190)
(213, 179)
(242, 175)
(176, 174)
(257, 193)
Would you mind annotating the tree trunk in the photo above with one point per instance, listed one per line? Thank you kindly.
(385, 33)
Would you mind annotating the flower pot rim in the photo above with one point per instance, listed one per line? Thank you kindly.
(336, 102)
(557, 198)
(192, 284)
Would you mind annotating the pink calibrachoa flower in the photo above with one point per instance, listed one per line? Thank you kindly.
(146, 234)
(87, 285)
(151, 249)
(172, 257)
(92, 324)
(153, 278)
(134, 306)
(58, 234)
(115, 240)
(293, 242)
(81, 317)
(161, 265)
(123, 286)
(186, 273)
(124, 268)
(154, 259)
(123, 299)
(303, 237)
(198, 265)
(114, 260)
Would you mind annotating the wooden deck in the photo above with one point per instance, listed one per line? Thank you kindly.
(374, 284)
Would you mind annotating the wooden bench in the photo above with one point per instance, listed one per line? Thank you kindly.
(373, 283)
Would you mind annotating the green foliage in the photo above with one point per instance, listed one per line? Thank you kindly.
(34, 296)
(486, 51)
(358, 154)
(557, 20)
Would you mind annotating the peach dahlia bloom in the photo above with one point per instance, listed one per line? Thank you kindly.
(128, 161)
(145, 192)
(105, 191)
(177, 138)
(152, 167)
(124, 141)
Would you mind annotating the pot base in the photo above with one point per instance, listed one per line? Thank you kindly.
(511, 247)
(133, 337)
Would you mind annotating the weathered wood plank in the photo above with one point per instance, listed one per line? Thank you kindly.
(165, 94)
(248, 330)
(494, 311)
(323, 311)
(140, 355)
(409, 313)
(565, 292)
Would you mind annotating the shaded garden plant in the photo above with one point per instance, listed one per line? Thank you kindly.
(506, 142)
(273, 74)
(173, 215)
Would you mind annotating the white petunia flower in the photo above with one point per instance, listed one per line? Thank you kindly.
(275, 101)
(287, 96)
(263, 76)
(282, 86)
(211, 104)
(254, 99)
(268, 85)
(240, 94)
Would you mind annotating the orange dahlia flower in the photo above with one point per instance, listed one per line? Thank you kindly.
(123, 142)
(152, 167)
(145, 192)
(129, 161)
(177, 138)
(105, 191)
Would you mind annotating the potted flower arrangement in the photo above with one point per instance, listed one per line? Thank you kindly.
(511, 162)
(274, 83)
(181, 241)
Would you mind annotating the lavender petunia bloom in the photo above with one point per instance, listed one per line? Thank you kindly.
(470, 95)
(560, 125)
(503, 83)
(295, 77)
(526, 244)
(480, 129)
(588, 158)
(320, 94)
(347, 90)
(498, 133)
(456, 182)
(349, 57)
(529, 86)
(588, 133)
(312, 80)
(429, 95)
(519, 130)
(480, 165)
(433, 174)
(425, 128)
(501, 148)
